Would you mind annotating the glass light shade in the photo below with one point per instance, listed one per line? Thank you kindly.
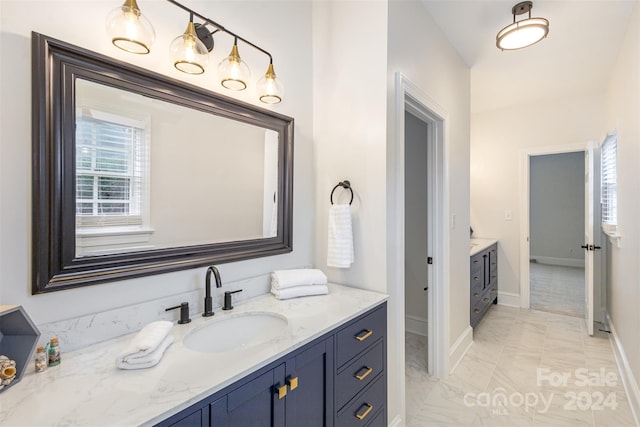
(189, 54)
(129, 29)
(234, 72)
(270, 89)
(522, 33)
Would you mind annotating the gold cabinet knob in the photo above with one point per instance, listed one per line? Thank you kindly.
(293, 383)
(281, 391)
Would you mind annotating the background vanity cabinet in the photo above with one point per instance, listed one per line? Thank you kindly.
(338, 379)
(483, 282)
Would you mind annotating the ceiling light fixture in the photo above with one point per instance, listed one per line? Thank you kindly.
(522, 33)
(131, 31)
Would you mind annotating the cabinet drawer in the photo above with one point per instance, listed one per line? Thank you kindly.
(365, 405)
(359, 373)
(360, 335)
(380, 420)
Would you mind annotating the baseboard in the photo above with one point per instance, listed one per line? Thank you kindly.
(628, 380)
(396, 422)
(460, 348)
(415, 325)
(566, 262)
(509, 299)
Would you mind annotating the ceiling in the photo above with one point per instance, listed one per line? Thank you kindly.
(576, 57)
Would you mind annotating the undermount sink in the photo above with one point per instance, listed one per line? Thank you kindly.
(236, 332)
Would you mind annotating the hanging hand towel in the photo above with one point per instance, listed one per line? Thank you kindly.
(300, 291)
(281, 279)
(340, 244)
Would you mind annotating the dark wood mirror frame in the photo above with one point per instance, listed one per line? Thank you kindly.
(55, 66)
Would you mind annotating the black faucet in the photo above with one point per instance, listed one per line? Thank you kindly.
(208, 301)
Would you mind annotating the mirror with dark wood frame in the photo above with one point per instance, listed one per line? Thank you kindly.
(135, 173)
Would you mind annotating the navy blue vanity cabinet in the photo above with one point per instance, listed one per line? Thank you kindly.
(483, 283)
(336, 380)
(361, 359)
(297, 392)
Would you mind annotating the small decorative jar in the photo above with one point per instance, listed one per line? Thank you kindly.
(41, 359)
(54, 352)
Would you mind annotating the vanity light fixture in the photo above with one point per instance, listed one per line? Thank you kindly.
(189, 51)
(129, 29)
(270, 89)
(233, 71)
(522, 33)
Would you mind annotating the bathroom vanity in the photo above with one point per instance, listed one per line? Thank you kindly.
(326, 368)
(483, 278)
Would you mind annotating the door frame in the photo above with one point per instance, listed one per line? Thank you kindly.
(525, 175)
(409, 97)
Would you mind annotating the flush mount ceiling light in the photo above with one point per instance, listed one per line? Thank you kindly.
(522, 33)
(131, 31)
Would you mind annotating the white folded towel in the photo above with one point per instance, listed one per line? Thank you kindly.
(147, 346)
(300, 291)
(340, 242)
(147, 361)
(282, 279)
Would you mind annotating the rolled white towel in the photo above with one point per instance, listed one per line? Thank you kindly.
(146, 341)
(300, 291)
(148, 360)
(282, 279)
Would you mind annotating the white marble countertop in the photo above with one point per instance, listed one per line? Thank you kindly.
(87, 389)
(480, 244)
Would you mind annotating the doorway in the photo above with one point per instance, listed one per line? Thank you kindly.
(593, 298)
(556, 260)
(410, 99)
(418, 137)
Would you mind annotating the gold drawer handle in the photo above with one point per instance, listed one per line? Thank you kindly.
(293, 383)
(477, 295)
(367, 334)
(484, 299)
(366, 411)
(365, 374)
(476, 310)
(476, 278)
(282, 391)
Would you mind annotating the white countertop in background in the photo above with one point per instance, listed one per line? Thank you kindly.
(87, 389)
(480, 244)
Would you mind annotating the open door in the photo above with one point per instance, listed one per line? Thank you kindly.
(589, 245)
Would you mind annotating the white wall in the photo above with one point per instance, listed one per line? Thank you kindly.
(350, 56)
(623, 110)
(557, 208)
(415, 243)
(418, 49)
(82, 24)
(497, 139)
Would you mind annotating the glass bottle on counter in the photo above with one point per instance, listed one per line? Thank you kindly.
(54, 352)
(41, 359)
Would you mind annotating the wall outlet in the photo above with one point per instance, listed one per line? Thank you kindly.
(508, 216)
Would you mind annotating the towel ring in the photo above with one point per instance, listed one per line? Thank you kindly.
(344, 184)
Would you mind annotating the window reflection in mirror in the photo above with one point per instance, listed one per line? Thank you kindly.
(152, 174)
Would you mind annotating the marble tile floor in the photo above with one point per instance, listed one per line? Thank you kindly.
(525, 368)
(557, 289)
